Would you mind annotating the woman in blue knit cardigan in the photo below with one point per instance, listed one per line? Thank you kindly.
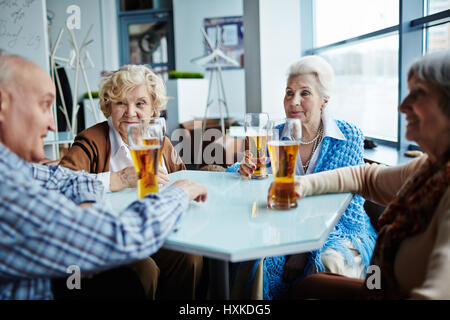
(326, 144)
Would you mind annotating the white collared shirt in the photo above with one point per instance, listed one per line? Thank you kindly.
(120, 156)
(330, 129)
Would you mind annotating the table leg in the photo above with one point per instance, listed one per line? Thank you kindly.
(219, 280)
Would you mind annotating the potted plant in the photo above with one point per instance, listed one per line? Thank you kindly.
(92, 113)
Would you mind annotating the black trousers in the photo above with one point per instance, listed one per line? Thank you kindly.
(118, 283)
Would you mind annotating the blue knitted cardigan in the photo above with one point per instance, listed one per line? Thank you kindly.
(354, 224)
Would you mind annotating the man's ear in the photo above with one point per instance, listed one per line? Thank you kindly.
(3, 103)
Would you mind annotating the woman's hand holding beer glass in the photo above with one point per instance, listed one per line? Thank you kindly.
(247, 167)
(127, 178)
(257, 128)
(302, 188)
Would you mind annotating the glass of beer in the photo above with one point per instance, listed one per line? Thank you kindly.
(151, 137)
(144, 141)
(283, 151)
(257, 127)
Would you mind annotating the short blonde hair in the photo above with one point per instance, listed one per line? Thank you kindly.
(317, 66)
(115, 85)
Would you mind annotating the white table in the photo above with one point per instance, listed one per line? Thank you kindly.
(234, 224)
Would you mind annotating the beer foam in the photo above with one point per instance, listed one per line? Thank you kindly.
(147, 147)
(280, 143)
(255, 132)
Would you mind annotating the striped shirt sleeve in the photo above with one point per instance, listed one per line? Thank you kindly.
(43, 231)
(78, 186)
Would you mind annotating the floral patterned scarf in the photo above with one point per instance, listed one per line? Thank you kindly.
(408, 214)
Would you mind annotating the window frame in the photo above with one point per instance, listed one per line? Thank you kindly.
(411, 29)
(126, 18)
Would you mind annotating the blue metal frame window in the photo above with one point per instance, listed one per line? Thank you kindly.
(412, 29)
(130, 19)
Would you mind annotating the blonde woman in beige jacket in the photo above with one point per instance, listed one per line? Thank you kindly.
(127, 95)
(411, 258)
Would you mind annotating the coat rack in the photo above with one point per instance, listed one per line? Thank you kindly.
(76, 62)
(80, 64)
(213, 60)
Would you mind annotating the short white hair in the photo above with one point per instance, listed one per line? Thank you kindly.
(317, 66)
(115, 85)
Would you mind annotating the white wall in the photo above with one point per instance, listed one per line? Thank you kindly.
(110, 35)
(252, 51)
(188, 19)
(23, 30)
(280, 46)
(103, 50)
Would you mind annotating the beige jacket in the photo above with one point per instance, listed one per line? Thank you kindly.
(91, 151)
(422, 264)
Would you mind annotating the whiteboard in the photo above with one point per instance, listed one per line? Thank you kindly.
(23, 31)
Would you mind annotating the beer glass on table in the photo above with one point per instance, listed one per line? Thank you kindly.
(257, 127)
(283, 151)
(144, 141)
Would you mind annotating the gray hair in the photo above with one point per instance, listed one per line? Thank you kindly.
(317, 66)
(4, 70)
(5, 67)
(434, 68)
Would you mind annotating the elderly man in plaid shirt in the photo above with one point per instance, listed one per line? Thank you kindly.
(51, 217)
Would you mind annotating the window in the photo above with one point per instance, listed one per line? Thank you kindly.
(438, 36)
(366, 85)
(370, 48)
(146, 35)
(148, 42)
(435, 6)
(133, 5)
(377, 15)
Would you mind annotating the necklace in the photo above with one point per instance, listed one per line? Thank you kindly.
(316, 141)
(319, 132)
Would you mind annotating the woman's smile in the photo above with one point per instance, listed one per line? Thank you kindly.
(127, 122)
(296, 113)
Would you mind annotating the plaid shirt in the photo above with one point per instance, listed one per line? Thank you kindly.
(43, 231)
